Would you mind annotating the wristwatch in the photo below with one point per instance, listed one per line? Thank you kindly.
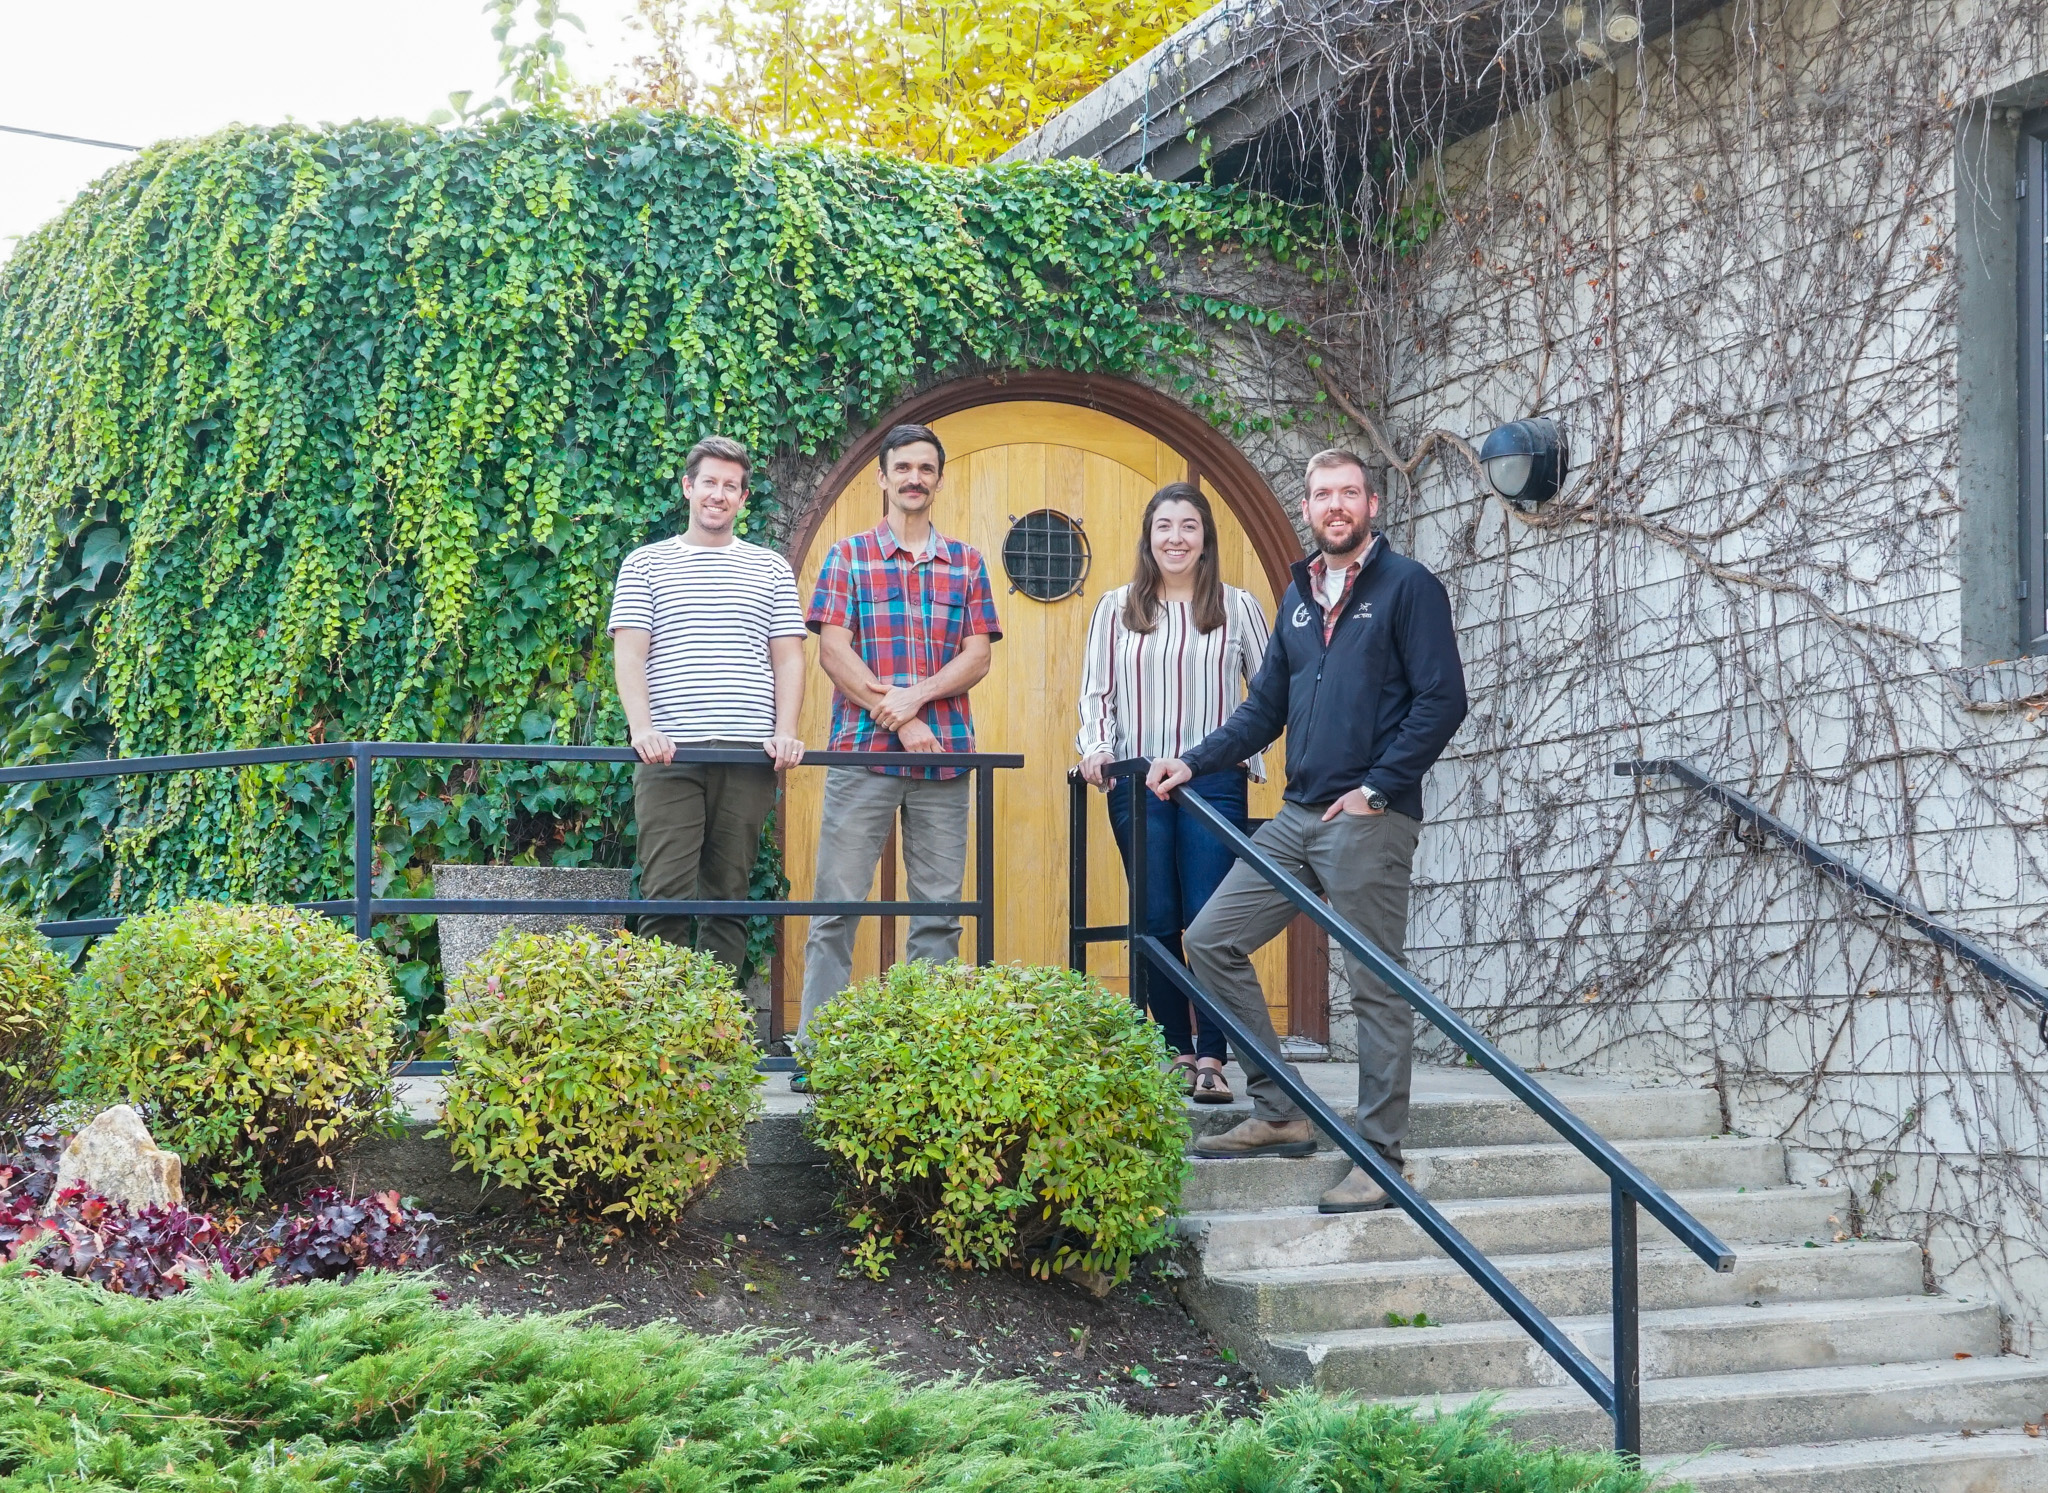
(1374, 799)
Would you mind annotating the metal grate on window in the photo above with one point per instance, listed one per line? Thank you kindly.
(1046, 555)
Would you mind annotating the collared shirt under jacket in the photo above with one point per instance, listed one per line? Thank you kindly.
(1374, 705)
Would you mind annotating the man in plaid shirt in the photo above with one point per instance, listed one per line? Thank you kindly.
(904, 618)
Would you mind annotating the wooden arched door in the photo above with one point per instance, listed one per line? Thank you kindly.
(1004, 460)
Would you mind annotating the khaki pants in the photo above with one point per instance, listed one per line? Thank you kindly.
(699, 827)
(860, 806)
(1360, 864)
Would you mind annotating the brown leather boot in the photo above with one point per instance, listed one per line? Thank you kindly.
(1260, 1138)
(1357, 1193)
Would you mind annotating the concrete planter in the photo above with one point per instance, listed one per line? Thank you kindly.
(465, 936)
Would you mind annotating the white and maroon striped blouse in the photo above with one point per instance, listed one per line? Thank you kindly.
(1156, 694)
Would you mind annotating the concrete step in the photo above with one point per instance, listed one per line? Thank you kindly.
(1840, 1402)
(1263, 1182)
(1439, 1115)
(1988, 1462)
(1282, 1237)
(1387, 1362)
(1578, 1283)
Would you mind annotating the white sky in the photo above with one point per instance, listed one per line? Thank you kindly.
(137, 72)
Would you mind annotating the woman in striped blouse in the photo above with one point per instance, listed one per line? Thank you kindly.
(1168, 659)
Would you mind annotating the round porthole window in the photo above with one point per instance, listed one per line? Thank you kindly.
(1045, 555)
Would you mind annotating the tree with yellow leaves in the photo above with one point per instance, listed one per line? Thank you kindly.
(957, 82)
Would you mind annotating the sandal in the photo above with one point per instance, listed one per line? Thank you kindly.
(1211, 1087)
(1184, 1067)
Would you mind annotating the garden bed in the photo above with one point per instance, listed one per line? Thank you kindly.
(375, 1384)
(1136, 1343)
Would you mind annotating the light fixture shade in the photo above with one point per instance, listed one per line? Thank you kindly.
(1526, 461)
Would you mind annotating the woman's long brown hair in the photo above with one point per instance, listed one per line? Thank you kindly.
(1141, 602)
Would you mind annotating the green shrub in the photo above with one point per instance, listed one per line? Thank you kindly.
(374, 1384)
(33, 987)
(257, 1040)
(1011, 1114)
(601, 1069)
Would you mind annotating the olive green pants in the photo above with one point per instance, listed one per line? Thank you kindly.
(1359, 863)
(699, 833)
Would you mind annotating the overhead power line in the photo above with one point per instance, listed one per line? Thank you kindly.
(15, 129)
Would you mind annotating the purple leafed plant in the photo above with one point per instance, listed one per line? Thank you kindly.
(336, 1236)
(31, 1172)
(156, 1252)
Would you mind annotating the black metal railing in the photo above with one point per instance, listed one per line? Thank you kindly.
(1618, 1394)
(1840, 871)
(364, 907)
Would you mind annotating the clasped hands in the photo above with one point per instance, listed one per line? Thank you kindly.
(897, 711)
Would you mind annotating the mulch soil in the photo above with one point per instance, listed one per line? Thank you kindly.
(1136, 1344)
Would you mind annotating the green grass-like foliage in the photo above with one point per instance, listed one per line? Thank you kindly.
(325, 434)
(601, 1069)
(34, 986)
(371, 1385)
(1008, 1113)
(257, 1041)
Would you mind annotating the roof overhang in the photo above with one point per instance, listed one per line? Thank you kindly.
(1257, 90)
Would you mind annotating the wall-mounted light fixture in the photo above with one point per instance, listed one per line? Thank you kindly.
(1526, 461)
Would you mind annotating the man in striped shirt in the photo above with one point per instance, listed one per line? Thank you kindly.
(707, 646)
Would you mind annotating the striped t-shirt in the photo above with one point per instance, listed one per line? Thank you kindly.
(1157, 693)
(710, 611)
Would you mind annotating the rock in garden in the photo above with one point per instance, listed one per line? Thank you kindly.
(116, 1158)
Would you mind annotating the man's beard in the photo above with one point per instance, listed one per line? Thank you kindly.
(1354, 540)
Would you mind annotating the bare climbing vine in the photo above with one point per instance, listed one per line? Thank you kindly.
(1726, 260)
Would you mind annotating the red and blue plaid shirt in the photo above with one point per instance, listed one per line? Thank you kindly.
(909, 615)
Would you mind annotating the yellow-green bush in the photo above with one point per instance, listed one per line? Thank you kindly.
(33, 987)
(604, 1070)
(258, 1041)
(1011, 1114)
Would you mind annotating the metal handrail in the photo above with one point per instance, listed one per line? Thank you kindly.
(364, 907)
(1836, 869)
(1619, 1395)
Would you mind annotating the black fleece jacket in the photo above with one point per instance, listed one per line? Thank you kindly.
(1376, 707)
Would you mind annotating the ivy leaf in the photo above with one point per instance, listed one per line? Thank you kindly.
(104, 546)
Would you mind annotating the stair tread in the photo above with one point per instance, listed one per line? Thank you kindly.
(1775, 1384)
(1451, 1207)
(1500, 1330)
(1428, 1264)
(1845, 1458)
(1533, 1150)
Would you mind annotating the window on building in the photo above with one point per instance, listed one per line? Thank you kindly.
(2031, 192)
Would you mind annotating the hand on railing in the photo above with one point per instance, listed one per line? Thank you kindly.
(654, 747)
(1167, 774)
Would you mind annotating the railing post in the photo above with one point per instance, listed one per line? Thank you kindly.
(1140, 925)
(1077, 872)
(1628, 1369)
(985, 865)
(360, 755)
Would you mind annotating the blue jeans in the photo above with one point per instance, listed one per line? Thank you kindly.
(1184, 866)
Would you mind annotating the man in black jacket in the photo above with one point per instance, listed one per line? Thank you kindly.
(1363, 673)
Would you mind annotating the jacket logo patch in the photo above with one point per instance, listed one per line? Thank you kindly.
(1301, 615)
(1364, 612)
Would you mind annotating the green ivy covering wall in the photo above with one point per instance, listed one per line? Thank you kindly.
(342, 434)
